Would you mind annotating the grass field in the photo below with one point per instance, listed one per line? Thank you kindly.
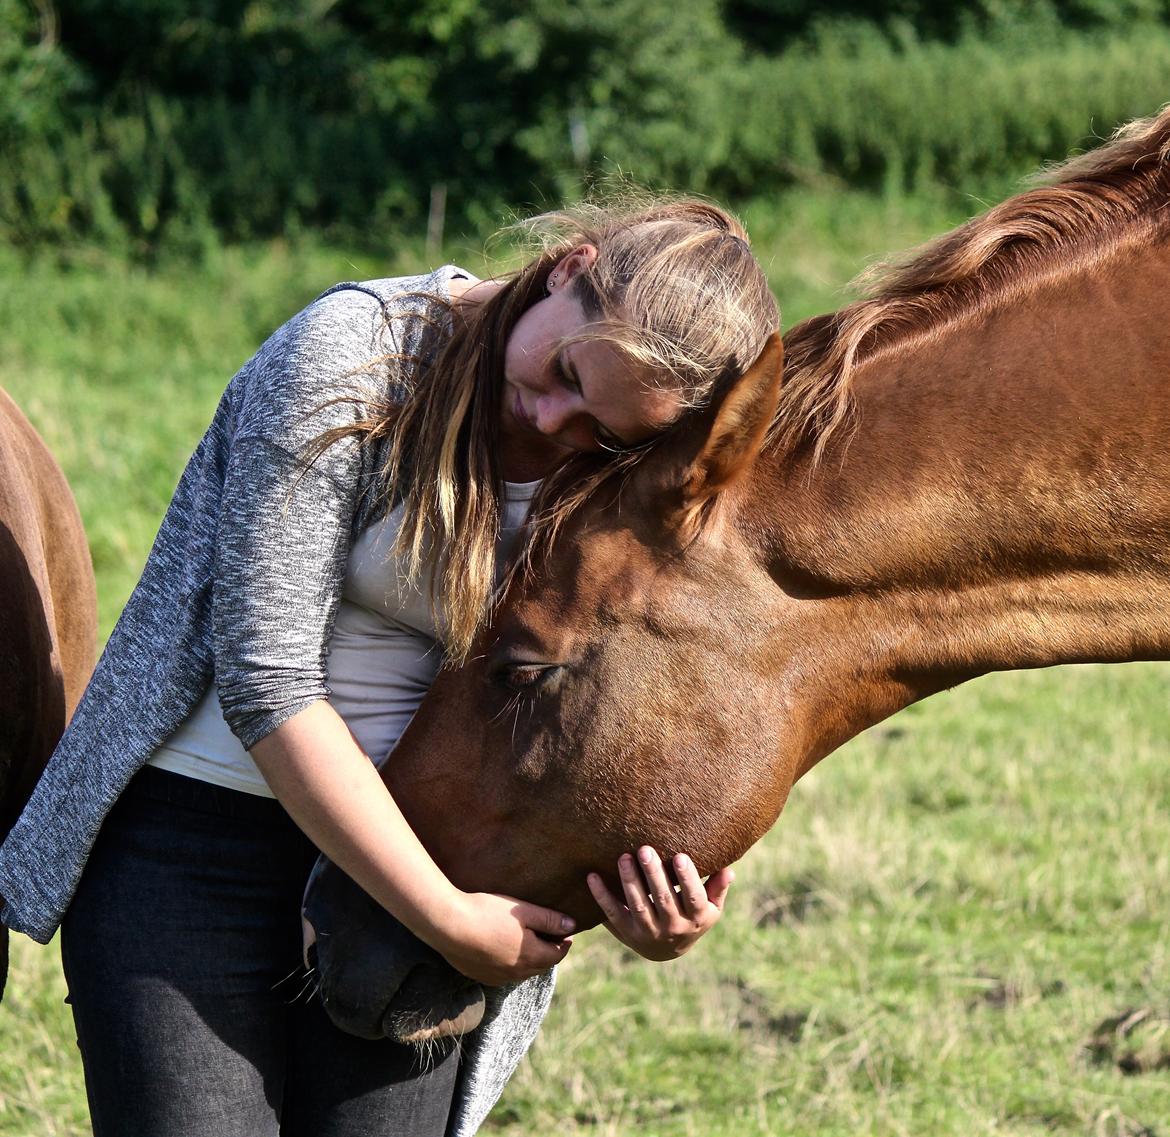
(934, 940)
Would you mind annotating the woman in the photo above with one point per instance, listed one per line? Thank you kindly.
(338, 517)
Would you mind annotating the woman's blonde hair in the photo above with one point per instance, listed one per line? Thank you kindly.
(674, 288)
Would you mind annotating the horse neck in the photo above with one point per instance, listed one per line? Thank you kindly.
(1003, 502)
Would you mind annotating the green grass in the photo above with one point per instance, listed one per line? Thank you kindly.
(928, 941)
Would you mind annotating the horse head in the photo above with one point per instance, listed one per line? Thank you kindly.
(574, 734)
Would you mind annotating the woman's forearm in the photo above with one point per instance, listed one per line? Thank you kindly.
(334, 793)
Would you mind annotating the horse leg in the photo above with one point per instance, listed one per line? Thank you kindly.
(48, 614)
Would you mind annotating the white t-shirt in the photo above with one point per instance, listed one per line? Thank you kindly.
(383, 656)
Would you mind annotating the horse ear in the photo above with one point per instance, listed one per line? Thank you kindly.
(736, 426)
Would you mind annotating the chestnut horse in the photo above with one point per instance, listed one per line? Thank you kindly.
(48, 614)
(967, 472)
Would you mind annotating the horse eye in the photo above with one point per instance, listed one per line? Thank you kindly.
(528, 678)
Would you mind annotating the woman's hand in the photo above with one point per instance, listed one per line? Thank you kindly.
(498, 939)
(655, 920)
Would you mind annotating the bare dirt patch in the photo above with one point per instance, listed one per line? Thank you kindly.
(1136, 1041)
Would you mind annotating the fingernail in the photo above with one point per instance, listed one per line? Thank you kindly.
(645, 855)
(681, 861)
(567, 924)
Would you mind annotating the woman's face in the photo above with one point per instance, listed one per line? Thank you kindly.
(584, 396)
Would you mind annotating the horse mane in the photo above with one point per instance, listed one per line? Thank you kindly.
(1086, 207)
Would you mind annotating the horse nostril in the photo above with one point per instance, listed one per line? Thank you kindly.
(308, 940)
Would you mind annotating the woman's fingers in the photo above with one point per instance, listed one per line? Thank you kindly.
(637, 898)
(695, 896)
(611, 907)
(717, 885)
(661, 919)
(545, 921)
(546, 936)
(660, 887)
(540, 954)
(504, 940)
(663, 906)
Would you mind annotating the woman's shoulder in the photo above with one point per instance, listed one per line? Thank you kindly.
(332, 348)
(395, 294)
(384, 316)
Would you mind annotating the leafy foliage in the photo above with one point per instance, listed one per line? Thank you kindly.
(773, 25)
(143, 123)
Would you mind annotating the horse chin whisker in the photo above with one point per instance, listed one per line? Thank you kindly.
(309, 988)
(306, 976)
(427, 1038)
(298, 970)
(428, 1052)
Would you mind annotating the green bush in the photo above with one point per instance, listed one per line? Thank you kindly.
(874, 114)
(148, 125)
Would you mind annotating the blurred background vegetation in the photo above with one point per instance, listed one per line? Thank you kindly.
(939, 933)
(149, 125)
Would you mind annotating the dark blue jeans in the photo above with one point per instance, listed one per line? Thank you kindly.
(182, 956)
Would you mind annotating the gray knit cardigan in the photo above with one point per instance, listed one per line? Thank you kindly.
(242, 587)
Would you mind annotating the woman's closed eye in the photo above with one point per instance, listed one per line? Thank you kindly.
(565, 376)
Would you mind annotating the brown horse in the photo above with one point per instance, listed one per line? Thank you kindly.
(967, 472)
(48, 614)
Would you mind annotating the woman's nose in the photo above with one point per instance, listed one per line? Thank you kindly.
(554, 411)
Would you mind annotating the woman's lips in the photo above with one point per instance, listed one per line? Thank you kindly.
(519, 411)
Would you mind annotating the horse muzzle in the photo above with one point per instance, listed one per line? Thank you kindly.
(376, 979)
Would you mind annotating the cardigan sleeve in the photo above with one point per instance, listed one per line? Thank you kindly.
(284, 527)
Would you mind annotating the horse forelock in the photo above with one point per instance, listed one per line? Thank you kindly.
(1088, 207)
(564, 493)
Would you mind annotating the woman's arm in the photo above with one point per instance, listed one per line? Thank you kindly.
(281, 546)
(335, 794)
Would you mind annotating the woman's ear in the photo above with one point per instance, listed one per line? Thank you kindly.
(573, 262)
(730, 436)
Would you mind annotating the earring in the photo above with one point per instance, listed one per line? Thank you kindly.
(554, 281)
